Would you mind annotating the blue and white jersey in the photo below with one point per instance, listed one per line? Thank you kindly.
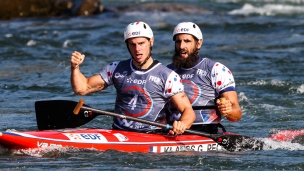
(203, 84)
(141, 94)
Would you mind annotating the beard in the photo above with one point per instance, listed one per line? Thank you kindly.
(189, 62)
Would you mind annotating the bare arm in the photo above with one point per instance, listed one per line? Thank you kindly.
(188, 116)
(80, 84)
(230, 107)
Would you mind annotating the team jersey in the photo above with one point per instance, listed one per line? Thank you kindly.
(203, 84)
(141, 94)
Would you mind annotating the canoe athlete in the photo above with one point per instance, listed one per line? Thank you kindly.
(143, 85)
(205, 81)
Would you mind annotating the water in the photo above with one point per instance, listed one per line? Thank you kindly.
(261, 42)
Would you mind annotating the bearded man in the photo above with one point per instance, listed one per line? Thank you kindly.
(205, 81)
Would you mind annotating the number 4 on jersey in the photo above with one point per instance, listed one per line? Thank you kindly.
(132, 103)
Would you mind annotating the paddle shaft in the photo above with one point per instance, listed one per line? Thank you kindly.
(202, 107)
(81, 102)
(222, 99)
(167, 126)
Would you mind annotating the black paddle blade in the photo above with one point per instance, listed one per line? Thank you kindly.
(239, 143)
(58, 114)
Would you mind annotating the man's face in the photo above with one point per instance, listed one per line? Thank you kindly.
(139, 48)
(186, 51)
(185, 45)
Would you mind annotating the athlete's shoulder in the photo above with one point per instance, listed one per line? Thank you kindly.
(114, 63)
(171, 66)
(167, 69)
(208, 61)
(127, 61)
(220, 66)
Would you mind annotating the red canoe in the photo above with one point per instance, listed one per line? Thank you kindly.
(287, 135)
(103, 139)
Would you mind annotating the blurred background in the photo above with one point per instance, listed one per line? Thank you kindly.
(260, 41)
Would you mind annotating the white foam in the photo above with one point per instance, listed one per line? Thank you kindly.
(300, 89)
(265, 1)
(242, 97)
(268, 9)
(67, 43)
(11, 130)
(278, 83)
(31, 43)
(279, 145)
(45, 152)
(9, 35)
(271, 107)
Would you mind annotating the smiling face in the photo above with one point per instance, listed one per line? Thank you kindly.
(186, 50)
(140, 49)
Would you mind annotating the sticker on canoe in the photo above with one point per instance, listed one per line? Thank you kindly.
(183, 148)
(44, 145)
(121, 137)
(86, 137)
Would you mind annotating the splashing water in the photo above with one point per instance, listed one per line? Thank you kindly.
(270, 144)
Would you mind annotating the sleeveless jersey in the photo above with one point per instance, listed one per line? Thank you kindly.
(141, 94)
(203, 84)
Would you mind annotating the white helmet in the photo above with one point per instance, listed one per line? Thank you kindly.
(188, 28)
(138, 29)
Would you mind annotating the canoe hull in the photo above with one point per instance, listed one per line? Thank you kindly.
(103, 139)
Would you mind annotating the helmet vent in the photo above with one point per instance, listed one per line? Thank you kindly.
(193, 25)
(145, 26)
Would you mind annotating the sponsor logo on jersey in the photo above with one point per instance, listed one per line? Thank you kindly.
(230, 83)
(187, 76)
(130, 124)
(118, 75)
(201, 72)
(154, 79)
(136, 81)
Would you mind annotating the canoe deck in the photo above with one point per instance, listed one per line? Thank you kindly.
(104, 139)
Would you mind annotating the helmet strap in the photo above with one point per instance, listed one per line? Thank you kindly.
(146, 60)
(149, 56)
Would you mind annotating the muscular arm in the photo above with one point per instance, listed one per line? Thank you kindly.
(230, 107)
(80, 84)
(183, 105)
